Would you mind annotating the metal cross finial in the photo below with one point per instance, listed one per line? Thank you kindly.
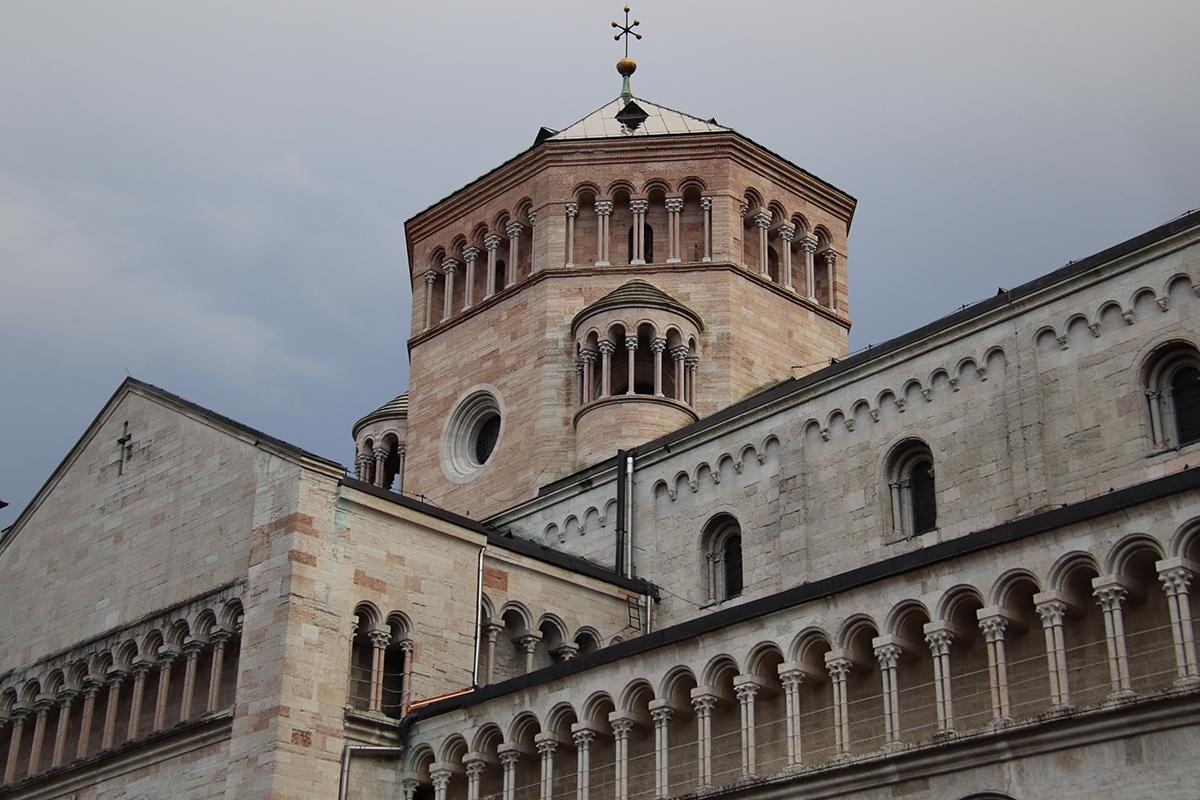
(627, 30)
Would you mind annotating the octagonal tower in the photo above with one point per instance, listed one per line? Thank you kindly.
(625, 276)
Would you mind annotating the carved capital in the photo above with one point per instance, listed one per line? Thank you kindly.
(514, 230)
(604, 208)
(492, 242)
(572, 209)
(471, 254)
(449, 266)
(706, 203)
(631, 343)
(430, 277)
(674, 204)
(658, 345)
(607, 348)
(639, 206)
(808, 244)
(786, 233)
(762, 219)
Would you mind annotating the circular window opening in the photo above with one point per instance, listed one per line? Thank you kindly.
(485, 441)
(471, 435)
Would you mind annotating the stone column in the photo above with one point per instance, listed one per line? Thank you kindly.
(657, 347)
(401, 450)
(791, 676)
(993, 621)
(141, 668)
(91, 687)
(703, 704)
(441, 782)
(430, 278)
(470, 256)
(514, 252)
(621, 726)
(380, 454)
(166, 658)
(603, 210)
(532, 241)
(809, 246)
(406, 648)
(1109, 593)
(475, 768)
(492, 630)
(448, 268)
(831, 272)
(66, 698)
(19, 715)
(1052, 611)
(747, 687)
(565, 651)
(679, 355)
(490, 244)
(572, 212)
(218, 639)
(379, 643)
(588, 357)
(191, 651)
(1156, 428)
(692, 366)
(706, 207)
(839, 667)
(1176, 576)
(41, 707)
(888, 656)
(528, 642)
(580, 385)
(660, 712)
(408, 788)
(509, 755)
(607, 349)
(939, 638)
(631, 346)
(638, 208)
(546, 744)
(583, 735)
(674, 207)
(115, 678)
(786, 235)
(895, 487)
(763, 220)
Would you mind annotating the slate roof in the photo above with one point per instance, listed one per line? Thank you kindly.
(638, 292)
(660, 121)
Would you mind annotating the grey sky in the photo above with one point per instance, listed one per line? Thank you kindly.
(212, 195)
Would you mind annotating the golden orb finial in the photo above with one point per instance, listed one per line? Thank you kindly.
(626, 67)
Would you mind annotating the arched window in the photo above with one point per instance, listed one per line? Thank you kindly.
(912, 491)
(723, 558)
(1173, 393)
(501, 278)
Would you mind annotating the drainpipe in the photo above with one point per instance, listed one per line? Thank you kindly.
(622, 544)
(629, 513)
(478, 616)
(344, 782)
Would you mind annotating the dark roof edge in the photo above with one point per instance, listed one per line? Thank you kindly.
(175, 399)
(511, 543)
(1007, 532)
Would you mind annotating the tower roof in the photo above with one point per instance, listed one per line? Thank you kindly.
(639, 293)
(392, 409)
(659, 121)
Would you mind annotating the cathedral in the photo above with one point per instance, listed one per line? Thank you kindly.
(643, 528)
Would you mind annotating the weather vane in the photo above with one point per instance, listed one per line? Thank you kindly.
(627, 30)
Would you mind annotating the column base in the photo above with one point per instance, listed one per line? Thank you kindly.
(674, 260)
(1001, 722)
(945, 736)
(569, 264)
(1123, 696)
(637, 262)
(602, 264)
(706, 259)
(892, 747)
(1186, 683)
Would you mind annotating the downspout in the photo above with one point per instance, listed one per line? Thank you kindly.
(478, 615)
(622, 545)
(344, 781)
(629, 513)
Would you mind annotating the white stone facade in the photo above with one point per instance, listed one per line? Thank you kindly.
(959, 565)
